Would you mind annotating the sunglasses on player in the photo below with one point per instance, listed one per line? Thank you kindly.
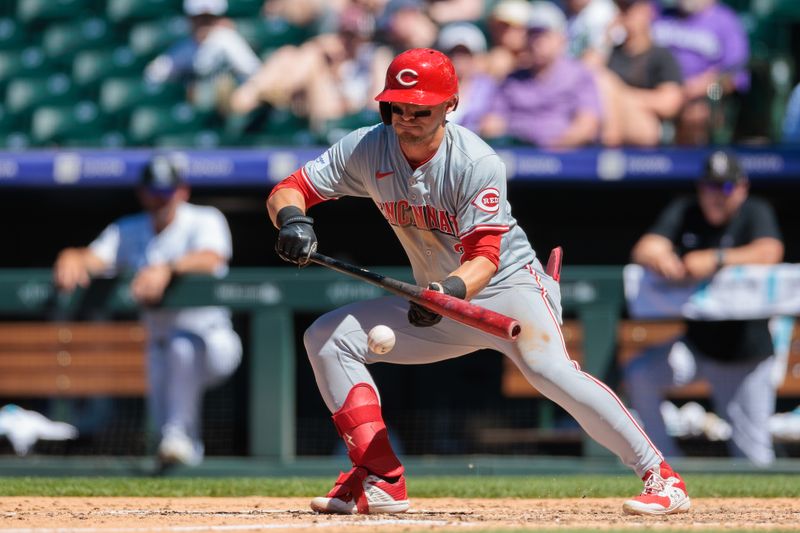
(416, 114)
(725, 187)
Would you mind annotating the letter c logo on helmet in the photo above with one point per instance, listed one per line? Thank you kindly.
(421, 76)
(407, 77)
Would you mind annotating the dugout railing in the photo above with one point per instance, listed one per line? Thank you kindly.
(270, 298)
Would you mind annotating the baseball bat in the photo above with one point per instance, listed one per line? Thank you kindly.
(457, 309)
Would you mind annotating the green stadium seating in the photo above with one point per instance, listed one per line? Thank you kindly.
(244, 8)
(205, 138)
(268, 33)
(54, 124)
(12, 36)
(25, 94)
(91, 67)
(6, 121)
(37, 10)
(16, 140)
(149, 122)
(62, 41)
(121, 95)
(106, 139)
(147, 39)
(336, 129)
(28, 62)
(124, 11)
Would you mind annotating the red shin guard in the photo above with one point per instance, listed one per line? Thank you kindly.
(360, 424)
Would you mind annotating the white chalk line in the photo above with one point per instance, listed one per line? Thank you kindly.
(244, 527)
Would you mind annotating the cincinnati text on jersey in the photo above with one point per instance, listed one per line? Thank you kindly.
(426, 217)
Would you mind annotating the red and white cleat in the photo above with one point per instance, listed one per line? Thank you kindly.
(376, 495)
(664, 493)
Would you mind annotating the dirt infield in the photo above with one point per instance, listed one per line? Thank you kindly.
(439, 514)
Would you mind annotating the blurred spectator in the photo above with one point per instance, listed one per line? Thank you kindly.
(321, 15)
(508, 32)
(555, 102)
(692, 239)
(446, 11)
(710, 44)
(326, 78)
(213, 60)
(405, 24)
(791, 122)
(465, 44)
(642, 85)
(588, 24)
(189, 349)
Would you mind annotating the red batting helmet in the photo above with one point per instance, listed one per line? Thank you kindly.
(421, 76)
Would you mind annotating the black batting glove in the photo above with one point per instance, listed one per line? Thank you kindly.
(422, 317)
(296, 238)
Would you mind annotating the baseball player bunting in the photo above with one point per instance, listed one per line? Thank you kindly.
(443, 192)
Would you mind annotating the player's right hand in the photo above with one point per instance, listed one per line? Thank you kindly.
(296, 238)
(69, 271)
(422, 318)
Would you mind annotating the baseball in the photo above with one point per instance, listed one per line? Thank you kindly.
(380, 339)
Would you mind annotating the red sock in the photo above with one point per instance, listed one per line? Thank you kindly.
(360, 424)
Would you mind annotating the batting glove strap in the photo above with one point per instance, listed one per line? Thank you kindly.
(453, 286)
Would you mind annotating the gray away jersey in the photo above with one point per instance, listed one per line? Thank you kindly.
(461, 190)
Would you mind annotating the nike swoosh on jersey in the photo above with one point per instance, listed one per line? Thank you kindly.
(380, 175)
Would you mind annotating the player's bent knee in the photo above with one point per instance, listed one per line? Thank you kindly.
(182, 350)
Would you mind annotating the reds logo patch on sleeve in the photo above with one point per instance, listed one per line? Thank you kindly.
(488, 200)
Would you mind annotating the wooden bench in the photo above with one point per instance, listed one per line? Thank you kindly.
(72, 359)
(632, 338)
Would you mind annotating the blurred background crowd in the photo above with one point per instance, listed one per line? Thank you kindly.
(549, 73)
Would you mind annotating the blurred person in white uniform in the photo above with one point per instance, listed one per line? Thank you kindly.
(189, 349)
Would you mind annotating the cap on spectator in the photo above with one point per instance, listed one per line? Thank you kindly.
(513, 12)
(194, 8)
(161, 175)
(546, 16)
(393, 6)
(723, 167)
(462, 34)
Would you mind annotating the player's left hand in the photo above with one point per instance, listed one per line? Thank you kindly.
(150, 282)
(422, 317)
(701, 264)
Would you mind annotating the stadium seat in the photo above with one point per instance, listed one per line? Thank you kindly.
(16, 140)
(28, 62)
(149, 122)
(244, 8)
(12, 37)
(269, 33)
(35, 10)
(267, 126)
(336, 129)
(147, 39)
(54, 124)
(124, 11)
(120, 95)
(205, 138)
(91, 67)
(25, 94)
(6, 121)
(62, 41)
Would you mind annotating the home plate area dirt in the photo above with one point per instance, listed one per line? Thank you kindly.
(32, 514)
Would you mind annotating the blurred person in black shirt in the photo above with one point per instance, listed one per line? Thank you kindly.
(692, 239)
(641, 86)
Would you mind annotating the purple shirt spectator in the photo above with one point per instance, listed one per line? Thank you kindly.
(475, 102)
(539, 108)
(710, 39)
